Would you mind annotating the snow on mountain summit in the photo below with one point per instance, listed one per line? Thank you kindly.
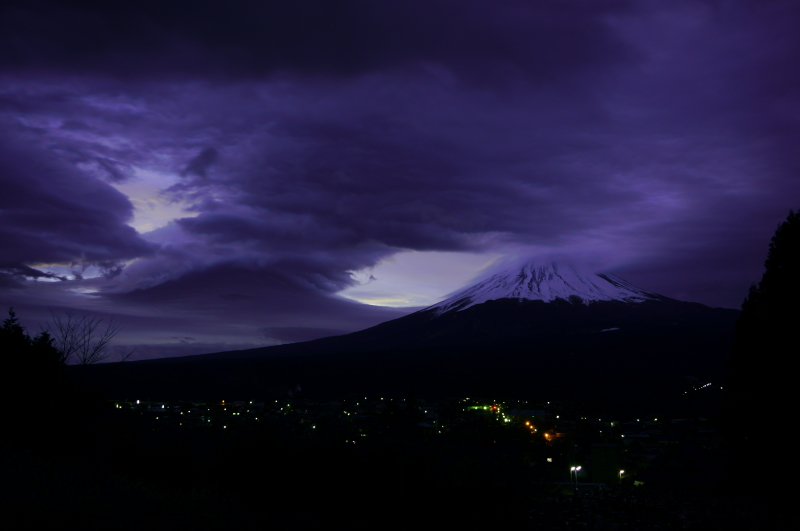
(546, 282)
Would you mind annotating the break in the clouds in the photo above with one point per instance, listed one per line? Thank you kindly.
(249, 173)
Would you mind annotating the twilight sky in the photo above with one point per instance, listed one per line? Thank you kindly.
(224, 175)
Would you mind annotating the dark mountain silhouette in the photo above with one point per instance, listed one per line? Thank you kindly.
(597, 338)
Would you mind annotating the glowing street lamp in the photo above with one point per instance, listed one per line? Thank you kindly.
(621, 472)
(574, 470)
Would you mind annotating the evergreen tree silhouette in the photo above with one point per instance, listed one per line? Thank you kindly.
(760, 395)
(33, 384)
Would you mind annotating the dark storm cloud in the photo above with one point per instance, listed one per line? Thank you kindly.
(278, 304)
(49, 212)
(112, 169)
(310, 139)
(69, 120)
(345, 37)
(430, 178)
(200, 164)
(28, 272)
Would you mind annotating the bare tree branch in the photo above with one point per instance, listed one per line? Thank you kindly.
(123, 356)
(81, 339)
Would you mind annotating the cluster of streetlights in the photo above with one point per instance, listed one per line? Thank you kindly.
(575, 469)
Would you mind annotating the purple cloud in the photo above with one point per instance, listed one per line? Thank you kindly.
(51, 213)
(267, 150)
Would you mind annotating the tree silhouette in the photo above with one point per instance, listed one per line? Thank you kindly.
(759, 390)
(81, 339)
(24, 353)
(33, 383)
(12, 334)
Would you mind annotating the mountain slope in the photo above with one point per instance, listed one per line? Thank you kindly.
(559, 333)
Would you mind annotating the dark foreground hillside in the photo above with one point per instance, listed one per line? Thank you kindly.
(303, 465)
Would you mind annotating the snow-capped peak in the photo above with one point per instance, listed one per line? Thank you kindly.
(546, 282)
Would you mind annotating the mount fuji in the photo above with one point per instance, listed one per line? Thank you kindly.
(547, 329)
(546, 282)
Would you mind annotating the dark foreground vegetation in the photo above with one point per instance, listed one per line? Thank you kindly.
(299, 464)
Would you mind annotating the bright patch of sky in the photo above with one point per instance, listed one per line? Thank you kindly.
(47, 279)
(85, 291)
(416, 278)
(75, 271)
(152, 209)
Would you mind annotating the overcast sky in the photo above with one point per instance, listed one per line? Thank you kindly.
(224, 175)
